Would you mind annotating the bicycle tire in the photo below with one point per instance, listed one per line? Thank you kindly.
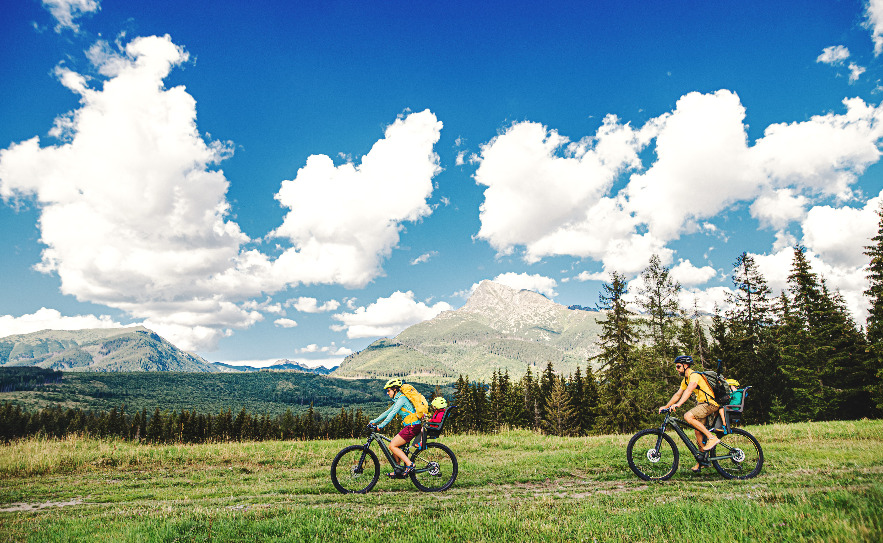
(346, 475)
(436, 468)
(747, 455)
(648, 454)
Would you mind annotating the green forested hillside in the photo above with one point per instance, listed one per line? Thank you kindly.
(263, 392)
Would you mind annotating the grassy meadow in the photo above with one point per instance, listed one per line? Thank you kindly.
(821, 482)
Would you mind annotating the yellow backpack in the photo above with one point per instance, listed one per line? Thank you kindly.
(418, 401)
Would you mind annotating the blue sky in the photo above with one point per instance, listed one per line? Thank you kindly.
(269, 180)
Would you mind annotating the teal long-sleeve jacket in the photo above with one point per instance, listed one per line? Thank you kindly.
(401, 406)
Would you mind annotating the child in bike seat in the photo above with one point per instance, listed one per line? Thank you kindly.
(735, 399)
(437, 407)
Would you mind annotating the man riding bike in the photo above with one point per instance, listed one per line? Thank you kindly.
(693, 383)
(401, 406)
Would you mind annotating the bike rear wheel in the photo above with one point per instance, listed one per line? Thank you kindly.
(652, 455)
(355, 470)
(744, 455)
(435, 468)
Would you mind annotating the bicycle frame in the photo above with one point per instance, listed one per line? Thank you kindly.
(700, 456)
(380, 439)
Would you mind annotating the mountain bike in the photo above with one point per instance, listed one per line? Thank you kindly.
(653, 455)
(356, 469)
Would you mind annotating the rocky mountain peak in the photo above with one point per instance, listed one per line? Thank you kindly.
(491, 298)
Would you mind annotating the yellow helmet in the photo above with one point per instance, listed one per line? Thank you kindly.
(439, 403)
(393, 383)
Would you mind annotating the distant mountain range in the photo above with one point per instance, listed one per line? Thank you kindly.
(111, 349)
(116, 349)
(499, 328)
(280, 365)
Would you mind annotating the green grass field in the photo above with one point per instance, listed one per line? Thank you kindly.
(821, 482)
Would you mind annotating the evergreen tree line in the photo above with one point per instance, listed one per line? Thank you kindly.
(802, 353)
(174, 427)
(546, 402)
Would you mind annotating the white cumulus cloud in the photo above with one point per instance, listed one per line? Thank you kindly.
(52, 319)
(874, 22)
(547, 196)
(285, 323)
(305, 304)
(836, 54)
(687, 274)
(134, 215)
(344, 219)
(523, 281)
(388, 316)
(66, 11)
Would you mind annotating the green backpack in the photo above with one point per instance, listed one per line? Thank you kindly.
(718, 385)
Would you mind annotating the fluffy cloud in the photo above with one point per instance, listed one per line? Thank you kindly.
(874, 21)
(523, 281)
(133, 215)
(838, 235)
(65, 11)
(134, 212)
(835, 54)
(311, 305)
(686, 273)
(51, 319)
(778, 208)
(540, 185)
(328, 349)
(285, 323)
(387, 316)
(344, 219)
(552, 197)
(855, 71)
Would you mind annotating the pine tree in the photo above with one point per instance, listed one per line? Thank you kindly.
(496, 402)
(557, 409)
(751, 355)
(547, 383)
(464, 420)
(874, 330)
(575, 393)
(803, 367)
(658, 297)
(617, 341)
(846, 369)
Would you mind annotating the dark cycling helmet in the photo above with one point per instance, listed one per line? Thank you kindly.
(684, 359)
(393, 383)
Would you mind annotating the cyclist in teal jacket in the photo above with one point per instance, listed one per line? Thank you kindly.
(401, 406)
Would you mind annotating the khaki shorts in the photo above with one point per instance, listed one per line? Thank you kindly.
(703, 411)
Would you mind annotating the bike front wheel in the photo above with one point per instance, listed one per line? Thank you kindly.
(743, 455)
(435, 468)
(652, 455)
(355, 470)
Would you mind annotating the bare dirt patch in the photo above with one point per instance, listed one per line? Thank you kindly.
(24, 507)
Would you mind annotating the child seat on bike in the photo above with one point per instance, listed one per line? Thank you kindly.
(733, 410)
(434, 429)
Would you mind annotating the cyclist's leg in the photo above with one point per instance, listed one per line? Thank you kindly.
(695, 417)
(407, 434)
(394, 448)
